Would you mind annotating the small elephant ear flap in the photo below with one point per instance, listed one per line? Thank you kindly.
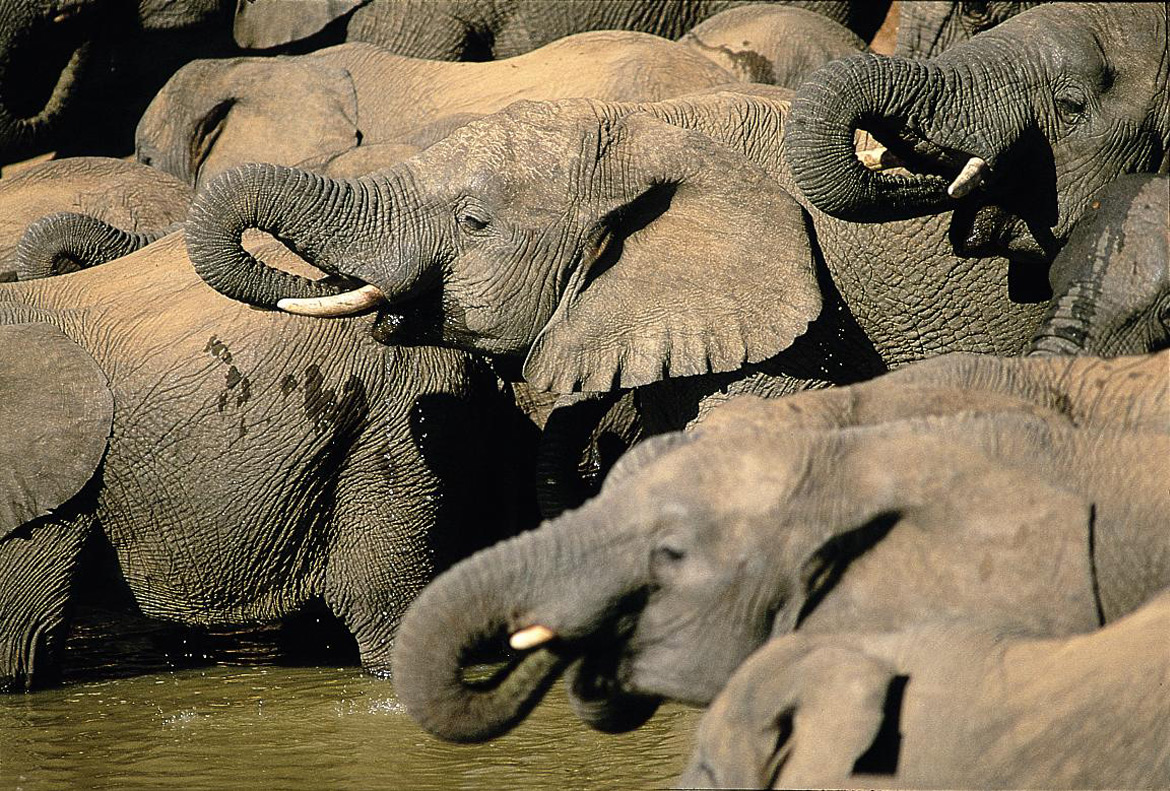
(261, 24)
(57, 411)
(703, 263)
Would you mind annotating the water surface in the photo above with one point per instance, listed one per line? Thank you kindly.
(272, 727)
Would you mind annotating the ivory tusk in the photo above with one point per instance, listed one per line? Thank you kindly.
(345, 304)
(531, 637)
(970, 177)
(872, 157)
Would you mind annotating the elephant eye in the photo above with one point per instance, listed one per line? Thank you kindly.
(666, 557)
(1071, 105)
(472, 219)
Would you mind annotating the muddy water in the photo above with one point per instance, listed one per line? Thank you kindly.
(269, 727)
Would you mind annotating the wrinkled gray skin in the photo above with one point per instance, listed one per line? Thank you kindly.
(965, 707)
(772, 44)
(489, 29)
(534, 260)
(1127, 393)
(132, 197)
(1076, 80)
(1112, 280)
(703, 545)
(75, 75)
(927, 27)
(180, 455)
(216, 114)
(71, 241)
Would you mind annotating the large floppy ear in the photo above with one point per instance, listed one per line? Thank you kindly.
(261, 24)
(991, 540)
(57, 410)
(702, 263)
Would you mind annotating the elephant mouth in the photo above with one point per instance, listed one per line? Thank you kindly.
(983, 221)
(914, 156)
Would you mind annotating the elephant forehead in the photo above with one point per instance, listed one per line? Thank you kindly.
(514, 149)
(732, 484)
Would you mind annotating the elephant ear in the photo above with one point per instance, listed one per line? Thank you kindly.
(57, 411)
(261, 24)
(991, 541)
(701, 264)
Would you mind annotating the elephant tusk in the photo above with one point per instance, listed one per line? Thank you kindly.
(531, 637)
(970, 177)
(872, 157)
(346, 304)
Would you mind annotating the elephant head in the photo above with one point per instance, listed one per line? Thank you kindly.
(927, 28)
(1015, 130)
(609, 246)
(945, 704)
(701, 546)
(1112, 279)
(213, 112)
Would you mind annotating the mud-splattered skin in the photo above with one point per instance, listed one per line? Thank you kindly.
(256, 462)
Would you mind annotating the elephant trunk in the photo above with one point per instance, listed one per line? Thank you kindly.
(1066, 331)
(305, 211)
(352, 230)
(42, 59)
(571, 462)
(69, 242)
(915, 109)
(511, 588)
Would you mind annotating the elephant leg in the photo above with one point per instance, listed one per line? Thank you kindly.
(372, 576)
(37, 566)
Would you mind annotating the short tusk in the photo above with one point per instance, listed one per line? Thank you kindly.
(345, 304)
(872, 157)
(970, 177)
(531, 637)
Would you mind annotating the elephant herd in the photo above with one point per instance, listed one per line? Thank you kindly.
(830, 341)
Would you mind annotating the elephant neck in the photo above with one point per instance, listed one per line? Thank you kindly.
(915, 298)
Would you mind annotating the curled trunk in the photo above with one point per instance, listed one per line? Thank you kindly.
(514, 587)
(69, 242)
(919, 111)
(311, 214)
(865, 92)
(461, 614)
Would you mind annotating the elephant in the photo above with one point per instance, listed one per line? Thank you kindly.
(182, 456)
(773, 44)
(215, 114)
(480, 30)
(130, 196)
(1018, 167)
(1123, 393)
(925, 29)
(703, 545)
(532, 261)
(946, 705)
(76, 74)
(1112, 280)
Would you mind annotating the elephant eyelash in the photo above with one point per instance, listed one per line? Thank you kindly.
(471, 217)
